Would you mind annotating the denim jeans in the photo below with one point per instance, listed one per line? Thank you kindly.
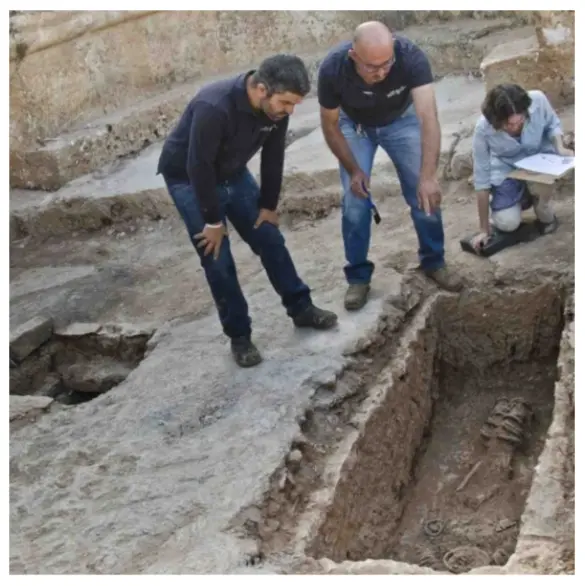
(401, 140)
(239, 203)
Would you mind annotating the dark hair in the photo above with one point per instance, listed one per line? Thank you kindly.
(503, 101)
(283, 73)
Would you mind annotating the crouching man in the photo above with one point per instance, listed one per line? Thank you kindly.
(514, 124)
(204, 165)
(378, 91)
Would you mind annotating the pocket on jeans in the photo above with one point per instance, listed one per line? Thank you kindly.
(348, 127)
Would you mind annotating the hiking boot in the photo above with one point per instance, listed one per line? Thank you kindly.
(356, 296)
(313, 317)
(245, 353)
(549, 227)
(445, 279)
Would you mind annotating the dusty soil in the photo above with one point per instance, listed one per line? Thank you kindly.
(363, 480)
(149, 272)
(162, 473)
(485, 513)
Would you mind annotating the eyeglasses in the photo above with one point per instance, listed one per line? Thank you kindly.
(373, 68)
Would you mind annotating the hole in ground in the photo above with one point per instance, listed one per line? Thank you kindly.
(80, 363)
(441, 469)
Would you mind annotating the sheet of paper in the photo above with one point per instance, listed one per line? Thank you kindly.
(544, 163)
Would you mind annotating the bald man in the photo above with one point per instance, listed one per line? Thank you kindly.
(377, 90)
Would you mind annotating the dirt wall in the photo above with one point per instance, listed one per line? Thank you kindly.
(69, 66)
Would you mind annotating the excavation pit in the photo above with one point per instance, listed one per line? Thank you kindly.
(440, 468)
(76, 364)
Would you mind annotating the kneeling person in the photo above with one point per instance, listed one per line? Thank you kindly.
(514, 124)
(204, 165)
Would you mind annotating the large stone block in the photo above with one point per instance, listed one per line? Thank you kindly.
(29, 336)
(28, 407)
(555, 27)
(543, 60)
(461, 165)
(458, 47)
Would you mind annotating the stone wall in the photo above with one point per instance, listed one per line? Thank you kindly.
(67, 67)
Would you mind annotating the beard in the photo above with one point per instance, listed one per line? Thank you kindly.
(274, 116)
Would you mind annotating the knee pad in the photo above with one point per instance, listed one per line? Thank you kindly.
(508, 225)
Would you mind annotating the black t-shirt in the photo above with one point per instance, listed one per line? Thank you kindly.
(378, 104)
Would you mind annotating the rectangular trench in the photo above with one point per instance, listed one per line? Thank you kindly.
(443, 464)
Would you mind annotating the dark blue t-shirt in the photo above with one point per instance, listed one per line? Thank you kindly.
(378, 104)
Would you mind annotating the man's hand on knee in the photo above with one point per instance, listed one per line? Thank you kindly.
(211, 239)
(360, 183)
(270, 216)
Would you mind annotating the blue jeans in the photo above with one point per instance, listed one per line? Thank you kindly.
(239, 203)
(401, 140)
(507, 194)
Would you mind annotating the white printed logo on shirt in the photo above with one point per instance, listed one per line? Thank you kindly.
(390, 94)
(395, 92)
(268, 128)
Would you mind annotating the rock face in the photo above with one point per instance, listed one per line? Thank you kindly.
(462, 160)
(96, 376)
(67, 67)
(29, 336)
(27, 408)
(67, 121)
(545, 59)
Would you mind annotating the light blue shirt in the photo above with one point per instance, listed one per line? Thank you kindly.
(495, 151)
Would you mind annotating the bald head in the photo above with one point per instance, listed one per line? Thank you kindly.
(373, 34)
(372, 51)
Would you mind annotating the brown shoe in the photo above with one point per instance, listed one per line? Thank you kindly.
(245, 353)
(446, 279)
(356, 296)
(316, 318)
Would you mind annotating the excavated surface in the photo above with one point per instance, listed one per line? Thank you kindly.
(485, 512)
(80, 143)
(158, 475)
(148, 272)
(128, 188)
(444, 456)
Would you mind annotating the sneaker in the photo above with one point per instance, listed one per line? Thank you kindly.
(245, 353)
(445, 279)
(356, 296)
(313, 317)
(549, 227)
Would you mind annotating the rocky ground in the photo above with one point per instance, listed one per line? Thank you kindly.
(152, 476)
